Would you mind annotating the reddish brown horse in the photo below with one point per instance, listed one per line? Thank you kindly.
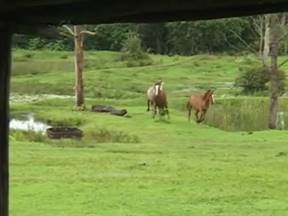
(157, 97)
(200, 103)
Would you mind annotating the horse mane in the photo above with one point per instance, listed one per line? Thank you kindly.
(207, 94)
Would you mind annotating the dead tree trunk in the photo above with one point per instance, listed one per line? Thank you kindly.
(260, 28)
(266, 40)
(78, 35)
(274, 48)
(5, 59)
(79, 65)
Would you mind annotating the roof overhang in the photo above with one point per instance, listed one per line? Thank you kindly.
(57, 12)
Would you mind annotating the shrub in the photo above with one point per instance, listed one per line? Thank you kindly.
(253, 79)
(133, 53)
(56, 45)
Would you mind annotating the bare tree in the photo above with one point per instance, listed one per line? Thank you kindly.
(274, 49)
(271, 30)
(277, 33)
(78, 34)
(266, 40)
(258, 28)
(261, 26)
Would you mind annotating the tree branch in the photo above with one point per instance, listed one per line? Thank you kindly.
(244, 42)
(283, 37)
(230, 44)
(258, 24)
(69, 30)
(87, 32)
(283, 63)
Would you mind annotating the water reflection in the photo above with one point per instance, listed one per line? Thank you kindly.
(27, 122)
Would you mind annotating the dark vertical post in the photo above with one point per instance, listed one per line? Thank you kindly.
(5, 57)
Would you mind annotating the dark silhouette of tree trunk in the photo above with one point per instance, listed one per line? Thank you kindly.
(5, 62)
(274, 49)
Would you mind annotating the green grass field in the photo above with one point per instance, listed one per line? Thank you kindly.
(141, 166)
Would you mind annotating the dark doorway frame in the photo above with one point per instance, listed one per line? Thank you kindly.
(5, 61)
(29, 15)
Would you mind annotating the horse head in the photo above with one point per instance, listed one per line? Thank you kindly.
(209, 96)
(212, 97)
(158, 86)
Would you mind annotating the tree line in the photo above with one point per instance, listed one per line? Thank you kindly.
(231, 35)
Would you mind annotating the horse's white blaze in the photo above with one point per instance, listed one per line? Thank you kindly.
(154, 91)
(157, 89)
(213, 98)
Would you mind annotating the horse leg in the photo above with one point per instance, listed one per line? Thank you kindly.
(154, 111)
(148, 105)
(203, 115)
(197, 116)
(167, 112)
(189, 113)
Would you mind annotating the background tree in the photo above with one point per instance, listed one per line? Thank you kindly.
(182, 38)
(276, 23)
(153, 37)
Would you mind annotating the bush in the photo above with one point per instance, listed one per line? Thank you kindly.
(133, 53)
(253, 79)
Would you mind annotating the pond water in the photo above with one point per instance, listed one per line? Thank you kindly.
(27, 121)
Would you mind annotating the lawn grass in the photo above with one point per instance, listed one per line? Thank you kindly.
(175, 168)
(155, 167)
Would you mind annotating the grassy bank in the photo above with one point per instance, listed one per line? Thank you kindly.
(106, 76)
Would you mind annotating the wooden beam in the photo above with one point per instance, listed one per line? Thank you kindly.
(111, 11)
(5, 58)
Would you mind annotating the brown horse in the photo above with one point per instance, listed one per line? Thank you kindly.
(200, 103)
(157, 98)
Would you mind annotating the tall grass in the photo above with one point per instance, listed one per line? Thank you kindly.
(244, 114)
